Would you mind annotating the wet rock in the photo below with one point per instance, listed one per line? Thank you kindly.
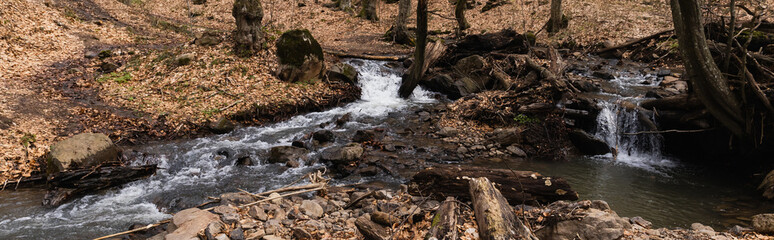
(300, 56)
(348, 153)
(384, 218)
(343, 72)
(244, 161)
(595, 225)
(462, 150)
(368, 171)
(641, 222)
(364, 136)
(424, 116)
(235, 198)
(588, 144)
(84, 150)
(311, 209)
(448, 132)
(700, 228)
(213, 229)
(763, 223)
(189, 222)
(383, 195)
(600, 205)
(292, 164)
(516, 151)
(324, 136)
(283, 154)
(184, 59)
(343, 119)
(207, 38)
(739, 230)
(223, 125)
(603, 75)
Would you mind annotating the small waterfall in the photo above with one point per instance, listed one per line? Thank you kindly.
(618, 127)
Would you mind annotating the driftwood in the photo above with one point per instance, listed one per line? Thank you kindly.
(495, 218)
(365, 56)
(517, 186)
(79, 182)
(371, 230)
(444, 226)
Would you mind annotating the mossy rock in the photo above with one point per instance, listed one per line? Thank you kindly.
(300, 56)
(343, 72)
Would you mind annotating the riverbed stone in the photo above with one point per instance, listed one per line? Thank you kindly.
(516, 151)
(213, 229)
(763, 223)
(588, 144)
(236, 198)
(595, 225)
(448, 132)
(324, 136)
(343, 72)
(348, 153)
(283, 154)
(311, 209)
(189, 222)
(84, 150)
(507, 136)
(363, 136)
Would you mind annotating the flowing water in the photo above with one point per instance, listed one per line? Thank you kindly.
(638, 181)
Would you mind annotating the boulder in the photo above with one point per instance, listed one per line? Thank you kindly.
(588, 144)
(84, 150)
(207, 38)
(343, 72)
(189, 222)
(767, 185)
(324, 136)
(763, 223)
(470, 64)
(448, 132)
(363, 136)
(184, 59)
(311, 209)
(223, 125)
(300, 56)
(516, 151)
(595, 225)
(443, 83)
(507, 137)
(283, 154)
(348, 153)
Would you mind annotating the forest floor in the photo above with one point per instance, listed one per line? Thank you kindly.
(52, 88)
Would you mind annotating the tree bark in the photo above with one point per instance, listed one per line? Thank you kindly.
(705, 77)
(444, 226)
(249, 35)
(459, 12)
(369, 10)
(345, 5)
(400, 32)
(415, 75)
(555, 22)
(371, 230)
(495, 218)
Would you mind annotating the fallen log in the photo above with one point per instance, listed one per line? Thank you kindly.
(444, 226)
(67, 185)
(635, 41)
(371, 230)
(366, 56)
(678, 102)
(495, 218)
(517, 186)
(411, 79)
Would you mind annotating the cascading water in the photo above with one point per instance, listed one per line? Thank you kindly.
(620, 127)
(190, 171)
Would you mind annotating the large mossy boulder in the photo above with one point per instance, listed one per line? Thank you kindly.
(300, 56)
(84, 150)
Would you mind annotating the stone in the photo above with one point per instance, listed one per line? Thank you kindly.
(445, 84)
(448, 132)
(516, 151)
(189, 222)
(272, 237)
(276, 198)
(588, 144)
(184, 59)
(301, 234)
(763, 223)
(244, 161)
(507, 137)
(207, 38)
(84, 150)
(311, 209)
(343, 119)
(292, 164)
(470, 64)
(271, 226)
(213, 229)
(223, 209)
(300, 56)
(235, 198)
(230, 218)
(283, 154)
(363, 136)
(462, 150)
(324, 136)
(641, 221)
(383, 195)
(108, 67)
(348, 153)
(424, 116)
(91, 54)
(595, 225)
(221, 236)
(739, 230)
(199, 2)
(701, 228)
(384, 218)
(257, 213)
(343, 72)
(249, 36)
(223, 125)
(237, 234)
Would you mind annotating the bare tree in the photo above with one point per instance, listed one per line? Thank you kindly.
(345, 5)
(249, 36)
(708, 82)
(555, 22)
(368, 10)
(399, 32)
(408, 85)
(459, 12)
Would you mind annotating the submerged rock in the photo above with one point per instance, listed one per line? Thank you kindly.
(84, 150)
(284, 154)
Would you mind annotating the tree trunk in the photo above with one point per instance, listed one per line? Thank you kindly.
(555, 22)
(369, 10)
(415, 75)
(249, 35)
(400, 33)
(444, 226)
(345, 5)
(495, 218)
(705, 77)
(459, 12)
